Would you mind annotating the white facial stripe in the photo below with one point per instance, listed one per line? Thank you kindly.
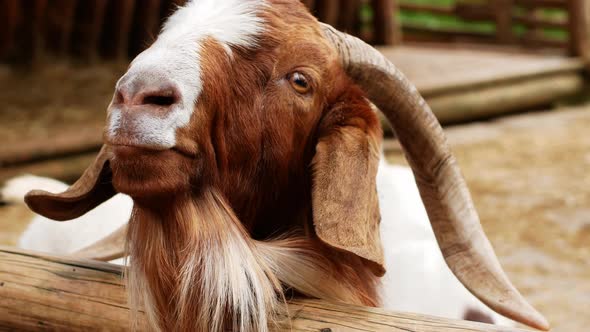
(176, 57)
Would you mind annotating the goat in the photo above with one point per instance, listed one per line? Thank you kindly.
(245, 138)
(422, 283)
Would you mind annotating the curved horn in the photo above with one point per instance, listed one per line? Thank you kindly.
(453, 217)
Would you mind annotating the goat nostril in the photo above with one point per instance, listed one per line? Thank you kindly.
(159, 100)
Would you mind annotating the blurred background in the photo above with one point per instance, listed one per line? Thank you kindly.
(507, 78)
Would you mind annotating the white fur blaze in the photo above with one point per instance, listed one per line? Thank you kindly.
(176, 57)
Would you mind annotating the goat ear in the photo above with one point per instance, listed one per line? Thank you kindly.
(344, 195)
(93, 188)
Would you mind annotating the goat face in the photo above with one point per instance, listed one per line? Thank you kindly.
(224, 108)
(258, 101)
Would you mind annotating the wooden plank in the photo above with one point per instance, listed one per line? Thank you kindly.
(58, 26)
(465, 11)
(579, 29)
(386, 31)
(39, 291)
(467, 66)
(542, 3)
(535, 39)
(421, 33)
(537, 22)
(87, 28)
(146, 27)
(427, 8)
(117, 29)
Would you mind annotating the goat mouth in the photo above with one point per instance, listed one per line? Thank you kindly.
(130, 151)
(124, 150)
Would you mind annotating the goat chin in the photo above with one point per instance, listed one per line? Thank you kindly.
(418, 279)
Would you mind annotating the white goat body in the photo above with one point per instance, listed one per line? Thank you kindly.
(418, 279)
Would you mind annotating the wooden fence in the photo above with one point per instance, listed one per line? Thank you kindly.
(47, 293)
(561, 24)
(119, 29)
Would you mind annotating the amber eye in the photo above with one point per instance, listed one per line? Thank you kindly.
(299, 82)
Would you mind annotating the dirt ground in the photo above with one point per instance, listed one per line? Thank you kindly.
(60, 107)
(529, 175)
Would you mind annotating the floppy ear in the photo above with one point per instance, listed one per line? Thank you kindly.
(344, 195)
(92, 189)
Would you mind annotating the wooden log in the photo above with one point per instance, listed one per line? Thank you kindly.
(43, 292)
(386, 30)
(487, 101)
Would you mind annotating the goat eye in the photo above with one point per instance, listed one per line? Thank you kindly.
(299, 83)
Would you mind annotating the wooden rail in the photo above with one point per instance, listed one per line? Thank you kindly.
(509, 18)
(41, 293)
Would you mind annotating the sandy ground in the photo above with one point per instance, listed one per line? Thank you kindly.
(530, 178)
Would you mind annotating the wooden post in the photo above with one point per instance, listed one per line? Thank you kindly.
(28, 39)
(327, 11)
(349, 18)
(117, 28)
(579, 29)
(146, 27)
(42, 292)
(87, 28)
(310, 4)
(386, 30)
(9, 18)
(503, 13)
(59, 24)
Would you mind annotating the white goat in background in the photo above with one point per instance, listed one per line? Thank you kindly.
(420, 281)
